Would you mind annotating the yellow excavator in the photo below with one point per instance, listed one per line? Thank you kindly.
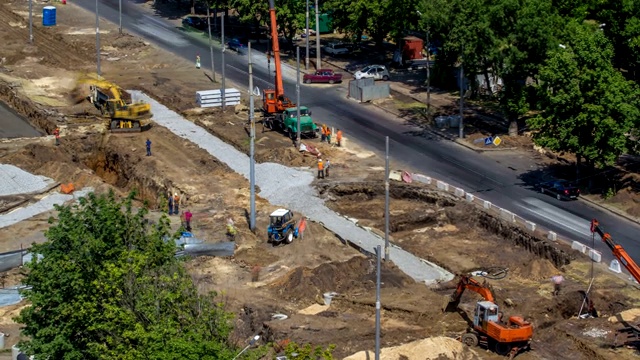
(116, 104)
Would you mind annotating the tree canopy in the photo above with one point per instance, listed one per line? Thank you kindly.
(588, 107)
(108, 286)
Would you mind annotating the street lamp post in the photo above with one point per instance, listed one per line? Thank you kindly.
(461, 129)
(120, 16)
(97, 41)
(298, 94)
(213, 69)
(252, 161)
(428, 74)
(318, 63)
(251, 343)
(224, 48)
(306, 58)
(30, 21)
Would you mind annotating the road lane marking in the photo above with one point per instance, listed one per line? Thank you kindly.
(557, 216)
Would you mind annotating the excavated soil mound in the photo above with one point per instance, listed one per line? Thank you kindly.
(537, 269)
(352, 275)
(367, 191)
(430, 348)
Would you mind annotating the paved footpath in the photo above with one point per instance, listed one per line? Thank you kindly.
(292, 188)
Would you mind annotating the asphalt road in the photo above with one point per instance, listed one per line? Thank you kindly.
(13, 125)
(409, 146)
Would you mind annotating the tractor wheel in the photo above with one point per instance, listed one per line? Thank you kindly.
(470, 339)
(503, 348)
(288, 237)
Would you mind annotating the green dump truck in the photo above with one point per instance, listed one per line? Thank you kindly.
(287, 122)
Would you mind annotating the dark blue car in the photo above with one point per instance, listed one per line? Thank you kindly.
(235, 44)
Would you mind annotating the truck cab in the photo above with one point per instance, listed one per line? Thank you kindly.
(287, 121)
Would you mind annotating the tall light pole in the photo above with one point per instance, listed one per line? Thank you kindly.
(224, 48)
(461, 127)
(251, 343)
(386, 200)
(252, 136)
(120, 16)
(318, 63)
(298, 94)
(428, 74)
(378, 256)
(306, 58)
(30, 21)
(97, 41)
(213, 69)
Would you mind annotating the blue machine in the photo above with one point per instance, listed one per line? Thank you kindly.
(282, 227)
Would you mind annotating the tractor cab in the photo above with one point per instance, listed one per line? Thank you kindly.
(485, 311)
(282, 226)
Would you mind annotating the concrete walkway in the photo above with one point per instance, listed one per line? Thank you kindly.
(42, 206)
(14, 181)
(291, 188)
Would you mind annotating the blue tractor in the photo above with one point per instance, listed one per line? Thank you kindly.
(282, 227)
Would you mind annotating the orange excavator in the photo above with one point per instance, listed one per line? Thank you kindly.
(618, 251)
(488, 328)
(274, 101)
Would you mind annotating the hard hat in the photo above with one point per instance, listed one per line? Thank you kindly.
(176, 194)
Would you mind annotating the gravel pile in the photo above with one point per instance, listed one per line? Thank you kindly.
(44, 205)
(14, 181)
(291, 188)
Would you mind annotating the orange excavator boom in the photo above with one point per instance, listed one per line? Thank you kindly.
(276, 48)
(618, 251)
(468, 283)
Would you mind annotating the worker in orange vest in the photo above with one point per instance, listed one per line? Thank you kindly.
(323, 132)
(329, 135)
(339, 137)
(176, 203)
(320, 169)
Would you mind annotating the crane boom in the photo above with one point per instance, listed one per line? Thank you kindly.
(276, 48)
(618, 251)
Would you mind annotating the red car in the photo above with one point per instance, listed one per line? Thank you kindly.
(322, 76)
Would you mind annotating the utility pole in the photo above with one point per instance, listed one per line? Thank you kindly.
(97, 41)
(298, 93)
(306, 58)
(461, 133)
(318, 63)
(224, 49)
(378, 256)
(428, 75)
(213, 69)
(120, 16)
(252, 136)
(30, 21)
(386, 200)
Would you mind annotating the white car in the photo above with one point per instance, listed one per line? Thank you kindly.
(375, 72)
(336, 49)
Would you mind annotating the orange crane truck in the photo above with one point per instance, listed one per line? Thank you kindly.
(618, 251)
(279, 112)
(488, 328)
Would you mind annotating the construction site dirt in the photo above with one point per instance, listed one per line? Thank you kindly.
(262, 282)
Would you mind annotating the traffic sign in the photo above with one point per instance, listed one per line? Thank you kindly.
(497, 141)
(488, 141)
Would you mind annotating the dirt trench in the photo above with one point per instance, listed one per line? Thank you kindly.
(421, 207)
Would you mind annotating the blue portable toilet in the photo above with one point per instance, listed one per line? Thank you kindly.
(49, 16)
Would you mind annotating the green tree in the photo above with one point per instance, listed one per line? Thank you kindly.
(290, 15)
(588, 108)
(108, 286)
(308, 352)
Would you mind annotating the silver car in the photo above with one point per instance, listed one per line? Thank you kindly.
(376, 72)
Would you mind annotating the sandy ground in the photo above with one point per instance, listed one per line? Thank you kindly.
(262, 280)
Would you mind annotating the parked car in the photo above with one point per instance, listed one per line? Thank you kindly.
(376, 72)
(195, 22)
(322, 76)
(237, 45)
(336, 49)
(562, 189)
(304, 33)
